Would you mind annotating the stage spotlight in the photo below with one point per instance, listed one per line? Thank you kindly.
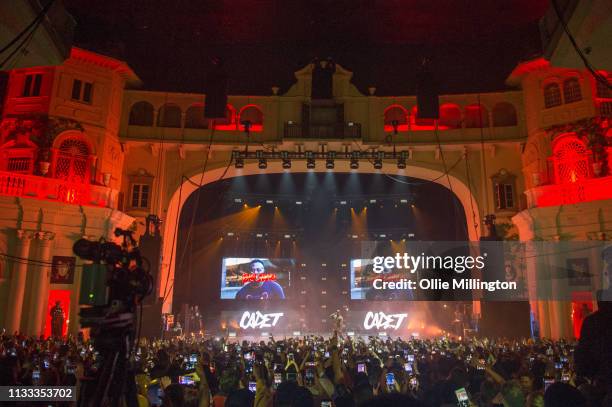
(378, 164)
(238, 161)
(401, 160)
(404, 201)
(342, 202)
(355, 236)
(230, 234)
(329, 162)
(232, 334)
(287, 236)
(269, 201)
(298, 202)
(382, 236)
(259, 235)
(238, 200)
(354, 160)
(286, 160)
(263, 164)
(372, 201)
(310, 161)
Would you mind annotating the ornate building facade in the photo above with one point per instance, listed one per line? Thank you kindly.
(82, 152)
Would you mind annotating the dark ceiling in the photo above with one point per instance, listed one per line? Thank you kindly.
(473, 44)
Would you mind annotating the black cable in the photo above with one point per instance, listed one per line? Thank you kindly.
(433, 180)
(448, 180)
(583, 57)
(21, 46)
(469, 180)
(178, 214)
(220, 199)
(34, 22)
(484, 155)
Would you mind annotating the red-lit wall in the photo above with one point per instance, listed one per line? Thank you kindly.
(16, 104)
(63, 296)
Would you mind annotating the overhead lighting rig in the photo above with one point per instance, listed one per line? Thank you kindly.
(329, 157)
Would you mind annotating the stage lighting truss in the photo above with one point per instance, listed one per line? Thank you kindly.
(286, 157)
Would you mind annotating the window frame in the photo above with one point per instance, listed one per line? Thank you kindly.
(32, 85)
(139, 179)
(81, 90)
(138, 196)
(559, 92)
(568, 91)
(502, 183)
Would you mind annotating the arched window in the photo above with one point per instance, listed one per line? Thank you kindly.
(603, 91)
(504, 114)
(169, 116)
(252, 114)
(194, 117)
(141, 114)
(552, 95)
(396, 113)
(571, 90)
(571, 160)
(229, 121)
(72, 160)
(476, 116)
(450, 116)
(420, 124)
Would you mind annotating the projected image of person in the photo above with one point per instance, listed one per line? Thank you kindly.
(260, 290)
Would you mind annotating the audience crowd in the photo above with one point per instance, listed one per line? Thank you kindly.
(336, 371)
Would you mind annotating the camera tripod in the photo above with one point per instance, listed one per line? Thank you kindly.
(114, 383)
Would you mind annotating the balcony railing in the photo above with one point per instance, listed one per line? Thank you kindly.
(58, 190)
(570, 193)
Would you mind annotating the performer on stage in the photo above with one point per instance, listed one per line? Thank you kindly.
(338, 320)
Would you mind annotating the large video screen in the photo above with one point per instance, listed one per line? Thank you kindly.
(363, 282)
(249, 278)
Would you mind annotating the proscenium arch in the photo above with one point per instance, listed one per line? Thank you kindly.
(459, 188)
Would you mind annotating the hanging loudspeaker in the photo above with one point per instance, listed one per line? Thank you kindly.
(428, 104)
(216, 93)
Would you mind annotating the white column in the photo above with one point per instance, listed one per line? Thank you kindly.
(18, 282)
(40, 288)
